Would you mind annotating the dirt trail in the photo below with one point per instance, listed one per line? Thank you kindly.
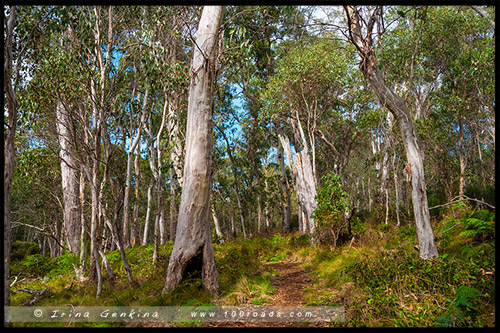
(289, 283)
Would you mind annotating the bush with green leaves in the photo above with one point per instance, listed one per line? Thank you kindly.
(333, 201)
(22, 249)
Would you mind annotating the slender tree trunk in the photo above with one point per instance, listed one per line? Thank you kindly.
(402, 114)
(80, 270)
(218, 231)
(193, 237)
(236, 182)
(111, 277)
(128, 179)
(461, 158)
(286, 189)
(176, 169)
(148, 216)
(116, 237)
(135, 235)
(9, 157)
(173, 204)
(156, 238)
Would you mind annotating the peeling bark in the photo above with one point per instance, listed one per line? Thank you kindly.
(193, 229)
(69, 178)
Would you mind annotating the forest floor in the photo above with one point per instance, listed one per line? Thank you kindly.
(378, 278)
(290, 282)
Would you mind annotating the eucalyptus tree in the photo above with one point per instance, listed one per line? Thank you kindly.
(464, 101)
(448, 89)
(21, 27)
(10, 79)
(304, 92)
(193, 236)
(364, 43)
(252, 34)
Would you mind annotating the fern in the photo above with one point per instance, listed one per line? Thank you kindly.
(464, 296)
(481, 223)
(463, 309)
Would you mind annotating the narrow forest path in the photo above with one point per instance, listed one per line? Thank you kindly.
(290, 282)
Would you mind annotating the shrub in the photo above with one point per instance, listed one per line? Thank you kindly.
(22, 249)
(333, 201)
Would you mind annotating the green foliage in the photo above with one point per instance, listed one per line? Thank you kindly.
(464, 310)
(480, 224)
(21, 250)
(332, 202)
(63, 264)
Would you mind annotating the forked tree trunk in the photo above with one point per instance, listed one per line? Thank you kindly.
(193, 236)
(304, 184)
(70, 178)
(398, 108)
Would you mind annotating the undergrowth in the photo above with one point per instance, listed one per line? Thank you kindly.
(378, 277)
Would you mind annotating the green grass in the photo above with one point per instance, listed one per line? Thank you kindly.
(379, 278)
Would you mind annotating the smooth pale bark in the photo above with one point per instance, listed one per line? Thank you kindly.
(193, 236)
(396, 190)
(9, 157)
(111, 277)
(118, 242)
(95, 185)
(398, 108)
(175, 161)
(155, 162)
(79, 271)
(69, 178)
(134, 236)
(148, 217)
(461, 157)
(286, 189)
(126, 200)
(218, 230)
(173, 204)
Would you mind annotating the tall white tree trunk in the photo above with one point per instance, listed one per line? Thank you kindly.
(175, 161)
(402, 114)
(193, 238)
(286, 189)
(69, 177)
(126, 200)
(148, 217)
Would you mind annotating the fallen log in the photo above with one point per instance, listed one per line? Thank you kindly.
(36, 295)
